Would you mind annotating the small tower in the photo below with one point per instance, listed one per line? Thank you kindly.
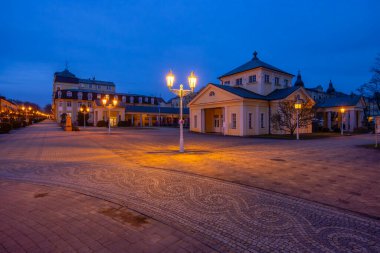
(331, 88)
(299, 81)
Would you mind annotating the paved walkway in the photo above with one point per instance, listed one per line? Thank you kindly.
(221, 216)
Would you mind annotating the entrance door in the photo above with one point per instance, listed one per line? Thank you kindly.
(217, 123)
(113, 121)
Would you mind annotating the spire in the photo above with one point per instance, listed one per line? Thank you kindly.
(331, 88)
(299, 81)
(255, 55)
(66, 65)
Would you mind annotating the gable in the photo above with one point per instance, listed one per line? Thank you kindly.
(303, 95)
(213, 94)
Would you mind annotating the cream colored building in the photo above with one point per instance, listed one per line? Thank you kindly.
(243, 103)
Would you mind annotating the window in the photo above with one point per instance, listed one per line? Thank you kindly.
(89, 104)
(59, 94)
(233, 120)
(89, 96)
(80, 95)
(146, 100)
(216, 121)
(286, 81)
(108, 87)
(69, 94)
(239, 81)
(266, 78)
(140, 100)
(250, 120)
(60, 104)
(123, 99)
(108, 97)
(252, 79)
(116, 97)
(99, 96)
(277, 81)
(131, 100)
(79, 104)
(99, 87)
(90, 86)
(227, 82)
(211, 94)
(152, 101)
(68, 103)
(262, 120)
(195, 121)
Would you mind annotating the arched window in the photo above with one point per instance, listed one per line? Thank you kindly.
(211, 94)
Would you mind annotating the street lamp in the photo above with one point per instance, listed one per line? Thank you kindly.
(84, 110)
(342, 111)
(298, 106)
(114, 103)
(181, 93)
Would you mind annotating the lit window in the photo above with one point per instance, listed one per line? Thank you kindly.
(252, 79)
(239, 81)
(266, 78)
(108, 97)
(233, 120)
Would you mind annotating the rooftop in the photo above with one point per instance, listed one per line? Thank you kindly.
(339, 101)
(253, 64)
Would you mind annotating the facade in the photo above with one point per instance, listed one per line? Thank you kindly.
(7, 106)
(243, 103)
(174, 102)
(70, 93)
(329, 104)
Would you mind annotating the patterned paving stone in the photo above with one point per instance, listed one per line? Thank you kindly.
(225, 216)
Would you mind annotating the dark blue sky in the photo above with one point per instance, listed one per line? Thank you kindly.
(135, 43)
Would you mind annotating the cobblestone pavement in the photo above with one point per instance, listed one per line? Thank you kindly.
(225, 216)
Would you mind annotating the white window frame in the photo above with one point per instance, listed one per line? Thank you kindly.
(233, 120)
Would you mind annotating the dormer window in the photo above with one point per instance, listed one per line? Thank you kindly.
(152, 101)
(266, 78)
(131, 100)
(252, 79)
(239, 81)
(69, 94)
(211, 94)
(277, 81)
(80, 95)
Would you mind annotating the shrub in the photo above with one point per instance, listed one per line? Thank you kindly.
(101, 123)
(122, 124)
(16, 124)
(361, 130)
(5, 128)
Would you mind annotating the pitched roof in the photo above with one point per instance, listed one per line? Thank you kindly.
(93, 81)
(64, 73)
(244, 93)
(339, 101)
(253, 64)
(155, 109)
(241, 92)
(281, 93)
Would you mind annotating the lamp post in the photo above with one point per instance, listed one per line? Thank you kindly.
(181, 93)
(84, 110)
(114, 103)
(298, 106)
(342, 111)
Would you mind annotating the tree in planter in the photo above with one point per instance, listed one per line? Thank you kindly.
(285, 118)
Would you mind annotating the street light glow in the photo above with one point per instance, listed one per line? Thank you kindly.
(170, 80)
(192, 80)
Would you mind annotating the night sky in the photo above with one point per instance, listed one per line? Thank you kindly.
(135, 43)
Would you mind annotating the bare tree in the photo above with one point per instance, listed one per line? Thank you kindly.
(285, 118)
(372, 88)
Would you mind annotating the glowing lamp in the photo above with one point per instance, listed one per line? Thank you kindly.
(170, 80)
(298, 105)
(104, 101)
(114, 102)
(192, 80)
(342, 110)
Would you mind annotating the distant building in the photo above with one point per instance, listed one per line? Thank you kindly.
(174, 102)
(71, 92)
(7, 106)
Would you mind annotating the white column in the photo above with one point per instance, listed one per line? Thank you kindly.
(242, 120)
(257, 120)
(352, 120)
(226, 120)
(329, 120)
